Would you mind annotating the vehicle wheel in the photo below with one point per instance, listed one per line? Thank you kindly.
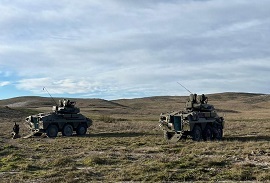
(52, 131)
(67, 130)
(81, 129)
(218, 133)
(208, 133)
(184, 137)
(167, 135)
(197, 133)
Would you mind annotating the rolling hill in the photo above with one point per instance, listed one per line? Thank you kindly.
(125, 143)
(224, 102)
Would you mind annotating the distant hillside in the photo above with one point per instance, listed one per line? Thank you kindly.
(34, 102)
(7, 112)
(223, 102)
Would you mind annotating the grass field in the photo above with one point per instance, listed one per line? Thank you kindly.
(126, 144)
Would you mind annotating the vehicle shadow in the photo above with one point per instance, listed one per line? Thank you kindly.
(248, 138)
(118, 134)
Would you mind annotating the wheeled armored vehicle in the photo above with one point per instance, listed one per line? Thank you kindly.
(199, 120)
(64, 118)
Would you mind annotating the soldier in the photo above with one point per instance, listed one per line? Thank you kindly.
(204, 99)
(16, 130)
(61, 103)
(68, 103)
(64, 102)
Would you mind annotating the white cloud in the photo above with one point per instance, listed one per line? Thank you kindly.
(233, 28)
(61, 86)
(120, 47)
(4, 83)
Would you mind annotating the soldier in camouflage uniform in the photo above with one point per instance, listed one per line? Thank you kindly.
(16, 130)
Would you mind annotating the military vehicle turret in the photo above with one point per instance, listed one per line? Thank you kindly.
(64, 118)
(199, 120)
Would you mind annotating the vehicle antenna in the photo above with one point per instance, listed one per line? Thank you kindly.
(44, 88)
(184, 87)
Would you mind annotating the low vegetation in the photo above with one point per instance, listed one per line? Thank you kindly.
(130, 147)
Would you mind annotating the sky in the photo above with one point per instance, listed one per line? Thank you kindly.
(114, 49)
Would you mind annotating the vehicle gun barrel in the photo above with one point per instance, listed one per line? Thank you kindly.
(44, 88)
(185, 88)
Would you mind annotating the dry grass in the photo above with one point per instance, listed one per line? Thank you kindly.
(126, 144)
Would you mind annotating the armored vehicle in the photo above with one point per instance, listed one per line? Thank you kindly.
(199, 120)
(64, 118)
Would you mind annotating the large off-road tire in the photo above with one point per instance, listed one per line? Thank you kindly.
(197, 133)
(184, 137)
(81, 129)
(67, 130)
(52, 131)
(208, 133)
(218, 133)
(168, 135)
